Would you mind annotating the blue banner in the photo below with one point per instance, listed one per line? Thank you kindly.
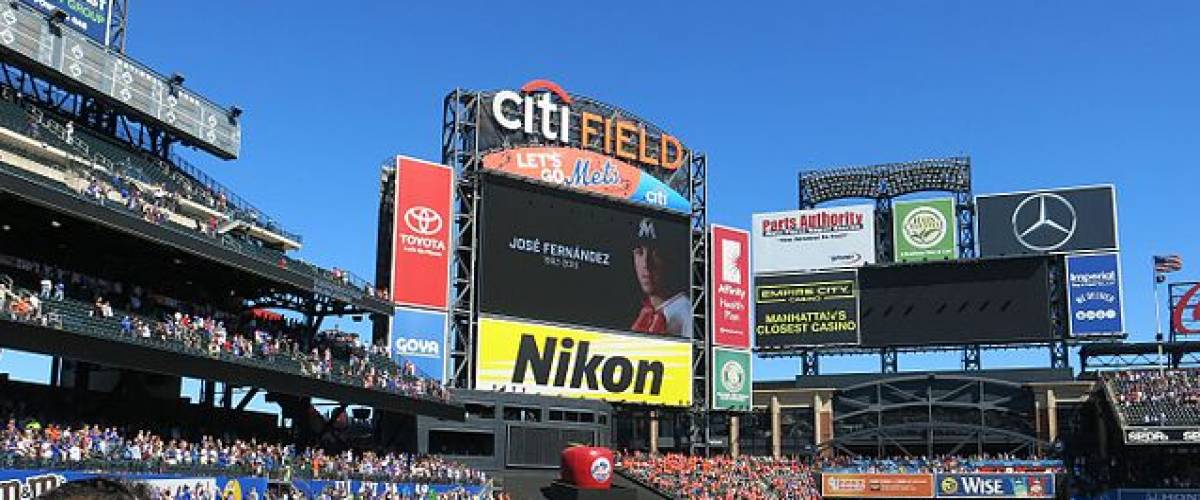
(1180, 494)
(419, 337)
(989, 485)
(31, 483)
(1094, 291)
(90, 17)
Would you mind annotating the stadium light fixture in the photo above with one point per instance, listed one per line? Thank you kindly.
(177, 79)
(235, 112)
(58, 16)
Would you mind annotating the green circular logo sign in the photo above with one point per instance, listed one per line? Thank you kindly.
(924, 227)
(733, 376)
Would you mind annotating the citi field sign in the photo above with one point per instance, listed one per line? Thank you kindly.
(546, 134)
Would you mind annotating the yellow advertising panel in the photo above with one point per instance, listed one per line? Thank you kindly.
(569, 362)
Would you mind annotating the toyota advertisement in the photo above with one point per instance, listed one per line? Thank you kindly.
(421, 241)
(562, 257)
(1051, 221)
(1094, 292)
(806, 309)
(418, 342)
(518, 356)
(730, 286)
(587, 171)
(807, 240)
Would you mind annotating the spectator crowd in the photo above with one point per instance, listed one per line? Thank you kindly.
(1157, 397)
(722, 478)
(32, 444)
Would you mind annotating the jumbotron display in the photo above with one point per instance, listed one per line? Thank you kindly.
(566, 258)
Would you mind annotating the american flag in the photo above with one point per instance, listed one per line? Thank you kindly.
(1167, 263)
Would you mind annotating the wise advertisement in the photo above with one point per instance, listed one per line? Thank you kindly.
(837, 485)
(419, 338)
(924, 230)
(986, 485)
(730, 286)
(587, 171)
(732, 379)
(806, 309)
(558, 361)
(1094, 294)
(806, 240)
(421, 238)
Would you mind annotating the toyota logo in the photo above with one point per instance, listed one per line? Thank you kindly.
(1044, 222)
(423, 220)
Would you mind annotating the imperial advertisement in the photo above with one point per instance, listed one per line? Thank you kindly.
(806, 309)
(806, 240)
(1094, 292)
(925, 230)
(730, 286)
(541, 359)
(587, 171)
(421, 234)
(561, 257)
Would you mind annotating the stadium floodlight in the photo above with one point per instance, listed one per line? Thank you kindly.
(176, 79)
(58, 16)
(235, 112)
(887, 180)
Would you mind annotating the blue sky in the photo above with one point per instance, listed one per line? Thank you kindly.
(1039, 94)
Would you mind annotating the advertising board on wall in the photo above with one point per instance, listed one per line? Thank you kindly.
(806, 309)
(1163, 435)
(806, 240)
(730, 286)
(421, 236)
(1094, 294)
(90, 17)
(847, 485)
(992, 485)
(419, 337)
(587, 171)
(731, 379)
(559, 361)
(1048, 221)
(1185, 308)
(924, 230)
(562, 257)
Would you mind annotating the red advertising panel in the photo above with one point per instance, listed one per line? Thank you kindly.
(421, 235)
(877, 485)
(730, 261)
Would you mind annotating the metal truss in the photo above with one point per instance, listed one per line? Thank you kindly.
(700, 295)
(460, 151)
(118, 26)
(963, 411)
(1141, 355)
(889, 360)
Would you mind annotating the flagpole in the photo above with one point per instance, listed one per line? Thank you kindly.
(1158, 336)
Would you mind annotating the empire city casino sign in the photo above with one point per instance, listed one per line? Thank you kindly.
(549, 135)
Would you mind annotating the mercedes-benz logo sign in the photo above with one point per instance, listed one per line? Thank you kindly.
(423, 220)
(1044, 222)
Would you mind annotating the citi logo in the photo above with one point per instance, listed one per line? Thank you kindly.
(562, 363)
(423, 220)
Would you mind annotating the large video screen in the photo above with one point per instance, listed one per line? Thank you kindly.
(986, 301)
(556, 256)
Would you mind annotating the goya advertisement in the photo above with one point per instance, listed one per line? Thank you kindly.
(806, 309)
(988, 485)
(924, 230)
(587, 171)
(419, 340)
(731, 379)
(557, 361)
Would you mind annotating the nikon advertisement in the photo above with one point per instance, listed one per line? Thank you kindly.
(541, 359)
(565, 258)
(806, 309)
